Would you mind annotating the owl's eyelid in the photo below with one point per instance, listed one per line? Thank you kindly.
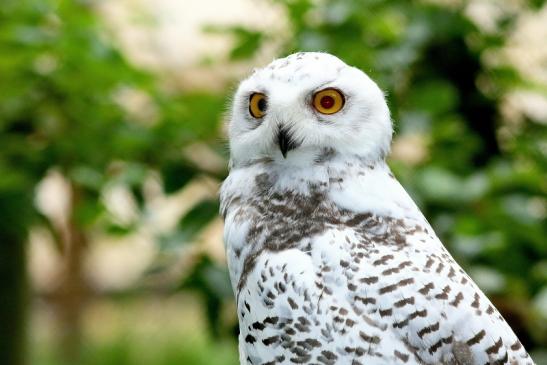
(331, 84)
(252, 92)
(324, 86)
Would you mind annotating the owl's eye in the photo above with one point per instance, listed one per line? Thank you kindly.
(258, 105)
(328, 101)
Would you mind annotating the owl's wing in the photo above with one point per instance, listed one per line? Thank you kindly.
(417, 289)
(432, 305)
(392, 296)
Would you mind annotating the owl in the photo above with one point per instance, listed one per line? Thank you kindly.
(330, 260)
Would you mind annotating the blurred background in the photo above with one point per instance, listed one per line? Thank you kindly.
(112, 149)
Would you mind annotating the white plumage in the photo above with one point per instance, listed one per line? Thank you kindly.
(330, 260)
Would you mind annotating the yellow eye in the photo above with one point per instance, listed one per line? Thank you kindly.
(328, 101)
(258, 105)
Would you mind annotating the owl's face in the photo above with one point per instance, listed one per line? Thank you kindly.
(299, 107)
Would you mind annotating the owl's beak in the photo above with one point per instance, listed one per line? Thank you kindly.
(285, 141)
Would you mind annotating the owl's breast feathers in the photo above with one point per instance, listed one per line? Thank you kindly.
(334, 264)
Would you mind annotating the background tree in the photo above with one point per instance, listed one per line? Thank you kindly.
(62, 109)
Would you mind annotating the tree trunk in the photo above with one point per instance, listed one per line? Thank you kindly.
(15, 207)
(72, 292)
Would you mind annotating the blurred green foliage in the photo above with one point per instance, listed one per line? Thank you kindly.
(62, 107)
(170, 349)
(62, 86)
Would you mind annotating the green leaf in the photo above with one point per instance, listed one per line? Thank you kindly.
(190, 224)
(198, 217)
(434, 96)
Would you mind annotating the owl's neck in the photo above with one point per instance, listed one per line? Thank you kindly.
(312, 157)
(349, 181)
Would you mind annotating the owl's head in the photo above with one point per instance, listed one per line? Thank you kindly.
(297, 108)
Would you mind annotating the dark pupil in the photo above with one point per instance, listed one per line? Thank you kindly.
(327, 102)
(262, 104)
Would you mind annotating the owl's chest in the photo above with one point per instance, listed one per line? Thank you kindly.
(313, 225)
(322, 290)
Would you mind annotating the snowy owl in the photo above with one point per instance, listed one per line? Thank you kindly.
(330, 260)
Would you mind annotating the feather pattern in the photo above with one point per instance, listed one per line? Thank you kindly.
(349, 271)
